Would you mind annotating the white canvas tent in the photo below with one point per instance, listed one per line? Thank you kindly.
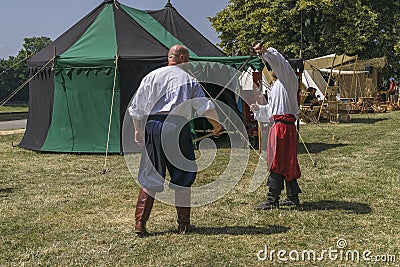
(344, 72)
(330, 65)
(328, 61)
(314, 81)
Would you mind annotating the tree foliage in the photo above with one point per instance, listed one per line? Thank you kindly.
(386, 41)
(14, 71)
(311, 28)
(35, 44)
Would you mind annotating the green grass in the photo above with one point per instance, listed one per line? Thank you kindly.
(12, 112)
(60, 210)
(19, 108)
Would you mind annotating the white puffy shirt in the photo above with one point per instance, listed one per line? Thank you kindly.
(169, 90)
(282, 99)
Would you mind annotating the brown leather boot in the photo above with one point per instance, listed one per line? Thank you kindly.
(184, 225)
(182, 204)
(143, 208)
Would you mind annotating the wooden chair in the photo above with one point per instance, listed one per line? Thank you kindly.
(307, 113)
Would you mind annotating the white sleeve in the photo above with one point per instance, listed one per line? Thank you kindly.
(280, 66)
(139, 106)
(263, 114)
(200, 102)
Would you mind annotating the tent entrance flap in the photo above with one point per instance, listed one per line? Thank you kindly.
(78, 124)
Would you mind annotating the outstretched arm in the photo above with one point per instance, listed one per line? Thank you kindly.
(139, 134)
(280, 66)
(212, 117)
(261, 112)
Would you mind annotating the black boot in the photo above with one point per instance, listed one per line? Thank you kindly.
(271, 203)
(292, 193)
(290, 201)
(275, 184)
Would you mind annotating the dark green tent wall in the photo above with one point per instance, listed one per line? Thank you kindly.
(80, 121)
(70, 100)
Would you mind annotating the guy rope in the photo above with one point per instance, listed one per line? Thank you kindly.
(111, 111)
(3, 102)
(19, 62)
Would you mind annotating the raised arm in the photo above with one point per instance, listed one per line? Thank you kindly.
(279, 65)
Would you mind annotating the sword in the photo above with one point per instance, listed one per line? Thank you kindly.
(222, 131)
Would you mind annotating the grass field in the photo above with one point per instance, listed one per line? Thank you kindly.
(17, 112)
(60, 210)
(17, 108)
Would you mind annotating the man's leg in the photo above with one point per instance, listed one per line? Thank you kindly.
(182, 177)
(151, 174)
(292, 194)
(275, 184)
(143, 208)
(182, 205)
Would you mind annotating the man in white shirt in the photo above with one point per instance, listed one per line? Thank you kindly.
(166, 97)
(282, 110)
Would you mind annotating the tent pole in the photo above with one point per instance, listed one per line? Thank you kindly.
(326, 89)
(26, 57)
(111, 111)
(339, 75)
(54, 57)
(352, 79)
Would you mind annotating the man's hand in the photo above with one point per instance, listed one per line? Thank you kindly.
(259, 48)
(254, 107)
(212, 117)
(218, 129)
(139, 137)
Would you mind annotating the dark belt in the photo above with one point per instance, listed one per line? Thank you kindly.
(157, 117)
(285, 122)
(162, 117)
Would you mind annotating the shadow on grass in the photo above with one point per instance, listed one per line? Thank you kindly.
(242, 230)
(5, 191)
(225, 141)
(354, 207)
(233, 230)
(366, 120)
(317, 147)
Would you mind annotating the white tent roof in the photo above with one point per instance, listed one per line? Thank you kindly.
(343, 72)
(327, 61)
(315, 66)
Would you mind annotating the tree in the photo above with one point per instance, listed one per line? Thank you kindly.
(329, 26)
(14, 71)
(34, 45)
(386, 40)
